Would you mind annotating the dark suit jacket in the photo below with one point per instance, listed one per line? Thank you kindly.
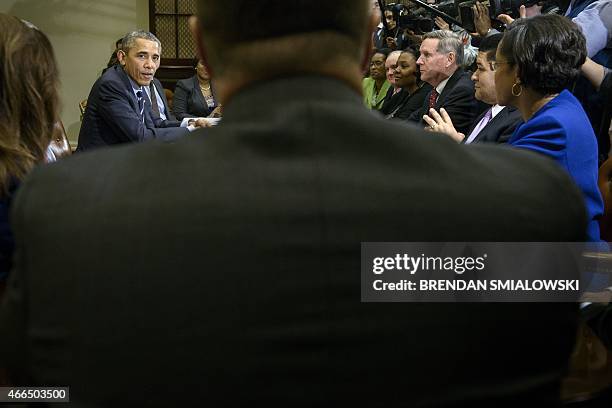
(412, 103)
(112, 115)
(458, 100)
(225, 269)
(499, 129)
(189, 101)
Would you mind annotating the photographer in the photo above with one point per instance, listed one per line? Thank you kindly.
(393, 35)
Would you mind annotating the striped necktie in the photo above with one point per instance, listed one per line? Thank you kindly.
(141, 103)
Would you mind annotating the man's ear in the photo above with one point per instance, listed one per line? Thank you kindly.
(196, 32)
(368, 46)
(451, 58)
(121, 57)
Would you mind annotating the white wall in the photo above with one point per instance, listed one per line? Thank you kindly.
(83, 34)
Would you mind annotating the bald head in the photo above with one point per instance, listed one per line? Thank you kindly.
(391, 64)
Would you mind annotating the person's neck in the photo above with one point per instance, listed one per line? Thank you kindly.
(443, 77)
(204, 82)
(231, 82)
(412, 88)
(531, 102)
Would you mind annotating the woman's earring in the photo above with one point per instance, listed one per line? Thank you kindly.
(520, 91)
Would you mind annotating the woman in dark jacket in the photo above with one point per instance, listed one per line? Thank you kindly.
(194, 97)
(413, 90)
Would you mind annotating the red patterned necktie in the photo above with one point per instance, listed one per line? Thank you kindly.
(432, 98)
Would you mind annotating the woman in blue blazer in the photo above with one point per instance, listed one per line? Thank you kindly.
(533, 73)
(194, 97)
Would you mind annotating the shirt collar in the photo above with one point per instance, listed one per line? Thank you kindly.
(496, 109)
(441, 86)
(135, 86)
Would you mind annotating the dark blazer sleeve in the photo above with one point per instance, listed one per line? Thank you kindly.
(511, 121)
(184, 105)
(182, 94)
(414, 103)
(119, 114)
(417, 115)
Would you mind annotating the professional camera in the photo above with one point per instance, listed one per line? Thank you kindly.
(509, 7)
(421, 20)
(497, 7)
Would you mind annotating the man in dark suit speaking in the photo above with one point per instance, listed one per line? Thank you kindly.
(119, 106)
(226, 269)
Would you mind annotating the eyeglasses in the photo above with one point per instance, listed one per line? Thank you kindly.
(496, 64)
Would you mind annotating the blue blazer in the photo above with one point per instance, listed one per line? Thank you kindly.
(561, 130)
(189, 101)
(112, 115)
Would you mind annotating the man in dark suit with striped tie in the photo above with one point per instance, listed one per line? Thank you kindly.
(118, 107)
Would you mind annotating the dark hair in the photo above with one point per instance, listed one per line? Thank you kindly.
(395, 10)
(275, 37)
(383, 51)
(548, 49)
(489, 44)
(129, 41)
(29, 99)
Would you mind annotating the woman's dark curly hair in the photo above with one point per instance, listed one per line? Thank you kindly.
(548, 50)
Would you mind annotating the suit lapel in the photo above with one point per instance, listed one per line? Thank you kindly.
(449, 87)
(476, 121)
(492, 125)
(198, 93)
(128, 87)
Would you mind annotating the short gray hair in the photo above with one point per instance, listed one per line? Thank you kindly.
(449, 42)
(130, 40)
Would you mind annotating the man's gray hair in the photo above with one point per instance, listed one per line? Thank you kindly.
(129, 40)
(449, 42)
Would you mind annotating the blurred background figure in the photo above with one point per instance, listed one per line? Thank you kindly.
(29, 111)
(113, 58)
(194, 97)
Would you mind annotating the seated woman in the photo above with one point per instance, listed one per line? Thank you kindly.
(413, 90)
(533, 74)
(30, 109)
(194, 97)
(375, 86)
